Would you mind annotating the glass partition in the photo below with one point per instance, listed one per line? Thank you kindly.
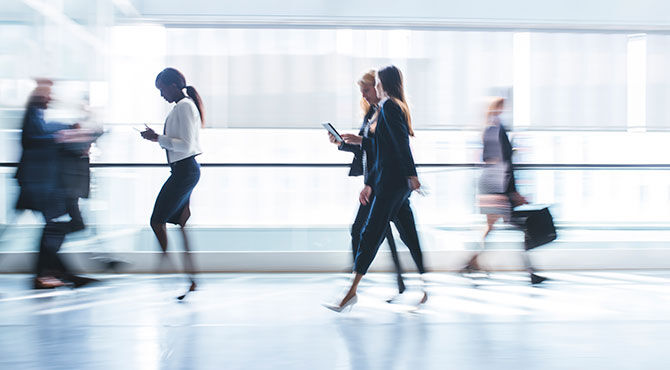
(310, 208)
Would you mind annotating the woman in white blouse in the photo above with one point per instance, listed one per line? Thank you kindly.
(181, 142)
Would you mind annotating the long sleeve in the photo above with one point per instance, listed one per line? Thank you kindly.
(352, 148)
(506, 149)
(398, 134)
(36, 131)
(181, 134)
(181, 138)
(372, 175)
(173, 143)
(366, 145)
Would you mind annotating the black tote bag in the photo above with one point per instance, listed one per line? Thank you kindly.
(538, 226)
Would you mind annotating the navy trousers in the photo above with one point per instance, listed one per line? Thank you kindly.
(357, 227)
(388, 206)
(53, 235)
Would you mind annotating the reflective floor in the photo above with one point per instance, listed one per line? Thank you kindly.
(578, 320)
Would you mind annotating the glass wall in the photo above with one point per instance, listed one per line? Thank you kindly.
(298, 77)
(578, 80)
(310, 209)
(269, 171)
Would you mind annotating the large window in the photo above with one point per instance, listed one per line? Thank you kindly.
(658, 81)
(267, 88)
(300, 77)
(578, 80)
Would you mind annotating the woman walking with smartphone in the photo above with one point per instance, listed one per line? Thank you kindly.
(181, 142)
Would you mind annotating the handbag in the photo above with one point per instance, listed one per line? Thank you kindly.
(538, 226)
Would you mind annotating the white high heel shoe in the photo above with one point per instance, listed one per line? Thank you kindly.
(337, 308)
(424, 298)
(394, 298)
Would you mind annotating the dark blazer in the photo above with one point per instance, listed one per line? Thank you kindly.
(498, 148)
(76, 172)
(393, 157)
(39, 169)
(49, 172)
(356, 168)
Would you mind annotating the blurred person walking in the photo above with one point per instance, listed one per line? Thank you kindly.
(52, 175)
(389, 184)
(497, 187)
(364, 157)
(181, 141)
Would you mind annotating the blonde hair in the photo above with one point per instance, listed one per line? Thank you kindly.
(368, 79)
(495, 106)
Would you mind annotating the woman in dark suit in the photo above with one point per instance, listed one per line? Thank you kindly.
(363, 159)
(391, 180)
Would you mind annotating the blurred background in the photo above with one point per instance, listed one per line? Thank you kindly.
(587, 96)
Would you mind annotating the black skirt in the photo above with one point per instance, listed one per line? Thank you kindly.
(175, 194)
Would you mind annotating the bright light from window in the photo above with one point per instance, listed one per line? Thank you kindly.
(637, 81)
(521, 79)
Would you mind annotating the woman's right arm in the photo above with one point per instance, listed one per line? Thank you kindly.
(37, 130)
(185, 131)
(353, 148)
(398, 134)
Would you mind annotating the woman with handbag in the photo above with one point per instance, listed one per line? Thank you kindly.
(497, 188)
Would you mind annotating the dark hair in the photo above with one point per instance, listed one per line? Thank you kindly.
(170, 76)
(391, 79)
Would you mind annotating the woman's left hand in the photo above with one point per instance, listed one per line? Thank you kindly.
(517, 199)
(414, 183)
(364, 197)
(149, 134)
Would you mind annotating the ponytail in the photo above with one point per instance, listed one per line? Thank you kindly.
(173, 76)
(193, 94)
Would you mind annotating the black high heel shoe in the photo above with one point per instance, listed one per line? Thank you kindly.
(470, 268)
(537, 279)
(401, 290)
(192, 288)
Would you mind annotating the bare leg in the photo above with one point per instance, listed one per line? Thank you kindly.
(490, 220)
(160, 231)
(472, 263)
(161, 234)
(352, 290)
(189, 268)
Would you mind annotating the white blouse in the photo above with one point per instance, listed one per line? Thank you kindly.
(182, 131)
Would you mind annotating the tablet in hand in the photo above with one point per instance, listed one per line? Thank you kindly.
(332, 130)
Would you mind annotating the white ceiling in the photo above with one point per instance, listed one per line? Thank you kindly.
(596, 14)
